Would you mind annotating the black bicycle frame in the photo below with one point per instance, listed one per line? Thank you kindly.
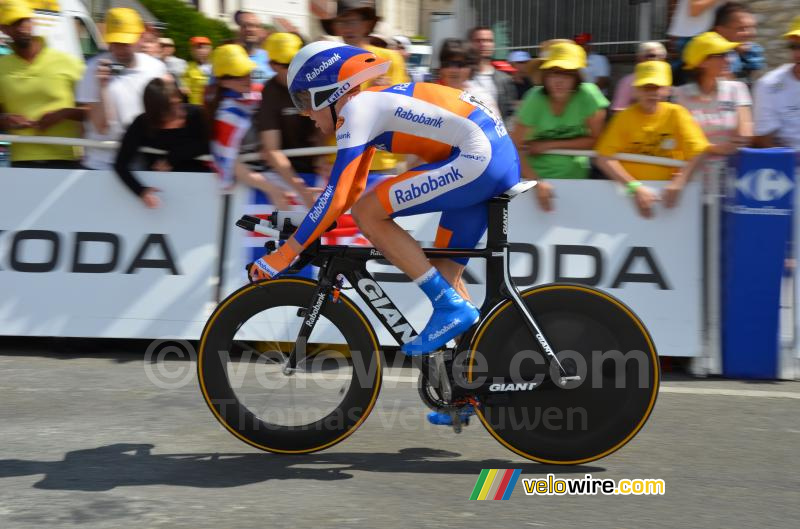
(351, 262)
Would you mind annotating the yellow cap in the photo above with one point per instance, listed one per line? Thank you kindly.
(13, 10)
(794, 29)
(231, 60)
(282, 47)
(564, 55)
(703, 45)
(123, 26)
(658, 73)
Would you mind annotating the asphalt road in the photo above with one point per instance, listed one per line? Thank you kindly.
(89, 440)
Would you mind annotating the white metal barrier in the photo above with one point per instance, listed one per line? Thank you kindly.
(309, 151)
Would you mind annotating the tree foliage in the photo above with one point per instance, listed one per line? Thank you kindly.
(184, 22)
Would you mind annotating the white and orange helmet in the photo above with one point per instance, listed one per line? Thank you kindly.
(322, 72)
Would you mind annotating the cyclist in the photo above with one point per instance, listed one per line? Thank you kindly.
(469, 159)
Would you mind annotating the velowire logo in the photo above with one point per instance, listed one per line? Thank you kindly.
(495, 484)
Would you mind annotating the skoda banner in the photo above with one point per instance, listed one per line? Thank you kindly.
(80, 255)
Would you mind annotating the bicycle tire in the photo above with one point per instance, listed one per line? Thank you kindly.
(218, 335)
(580, 319)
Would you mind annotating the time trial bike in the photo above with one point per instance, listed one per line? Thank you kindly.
(557, 373)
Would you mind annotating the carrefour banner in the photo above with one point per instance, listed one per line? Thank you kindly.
(81, 256)
(594, 236)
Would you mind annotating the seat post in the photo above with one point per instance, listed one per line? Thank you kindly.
(497, 236)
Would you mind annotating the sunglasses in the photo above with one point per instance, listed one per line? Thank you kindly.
(454, 64)
(794, 46)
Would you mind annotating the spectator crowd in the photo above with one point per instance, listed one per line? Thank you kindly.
(699, 107)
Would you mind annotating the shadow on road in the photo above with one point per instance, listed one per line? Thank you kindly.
(119, 465)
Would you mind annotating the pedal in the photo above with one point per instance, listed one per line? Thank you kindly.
(456, 418)
(564, 380)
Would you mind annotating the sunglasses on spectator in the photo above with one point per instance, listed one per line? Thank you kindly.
(651, 57)
(717, 56)
(347, 22)
(454, 64)
(794, 46)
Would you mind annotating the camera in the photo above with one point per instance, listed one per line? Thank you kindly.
(116, 68)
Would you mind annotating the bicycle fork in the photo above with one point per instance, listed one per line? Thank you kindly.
(310, 316)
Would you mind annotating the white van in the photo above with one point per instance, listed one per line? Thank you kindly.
(419, 62)
(67, 26)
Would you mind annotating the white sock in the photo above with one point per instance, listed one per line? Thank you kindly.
(427, 276)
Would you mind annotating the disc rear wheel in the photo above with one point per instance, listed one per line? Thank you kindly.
(593, 334)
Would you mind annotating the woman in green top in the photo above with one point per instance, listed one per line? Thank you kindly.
(565, 113)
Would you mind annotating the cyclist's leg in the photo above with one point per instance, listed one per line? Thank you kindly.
(459, 182)
(459, 228)
(400, 248)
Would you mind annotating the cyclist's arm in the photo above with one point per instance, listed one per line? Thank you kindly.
(347, 180)
(354, 134)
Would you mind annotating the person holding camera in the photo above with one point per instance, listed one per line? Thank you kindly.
(114, 84)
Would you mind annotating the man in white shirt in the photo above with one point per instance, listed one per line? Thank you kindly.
(175, 65)
(598, 69)
(690, 18)
(498, 85)
(113, 84)
(777, 99)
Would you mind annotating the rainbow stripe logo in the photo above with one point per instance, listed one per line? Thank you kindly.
(495, 484)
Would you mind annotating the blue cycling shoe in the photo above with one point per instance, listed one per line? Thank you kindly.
(443, 418)
(447, 322)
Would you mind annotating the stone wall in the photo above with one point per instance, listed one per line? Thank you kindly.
(774, 18)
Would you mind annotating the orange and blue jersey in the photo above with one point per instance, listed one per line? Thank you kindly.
(468, 157)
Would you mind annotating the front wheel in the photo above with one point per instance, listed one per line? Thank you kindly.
(593, 334)
(243, 352)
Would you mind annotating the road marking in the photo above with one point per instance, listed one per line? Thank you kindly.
(667, 389)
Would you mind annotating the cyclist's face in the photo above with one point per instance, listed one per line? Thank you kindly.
(322, 119)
